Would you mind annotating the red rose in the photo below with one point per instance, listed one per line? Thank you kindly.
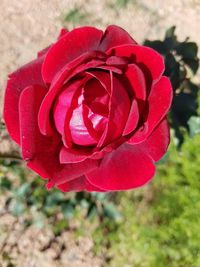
(90, 112)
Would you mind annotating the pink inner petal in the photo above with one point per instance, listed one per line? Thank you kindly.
(63, 103)
(79, 132)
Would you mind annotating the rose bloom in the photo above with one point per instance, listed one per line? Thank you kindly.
(90, 112)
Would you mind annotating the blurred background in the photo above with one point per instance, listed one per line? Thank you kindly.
(155, 226)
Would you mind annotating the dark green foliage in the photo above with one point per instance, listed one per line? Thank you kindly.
(60, 226)
(5, 184)
(181, 64)
(29, 195)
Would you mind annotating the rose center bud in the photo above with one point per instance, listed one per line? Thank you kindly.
(81, 113)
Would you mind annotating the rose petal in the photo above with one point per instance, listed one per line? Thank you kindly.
(103, 77)
(27, 75)
(70, 70)
(119, 109)
(32, 142)
(99, 122)
(41, 152)
(110, 68)
(74, 155)
(63, 103)
(43, 51)
(159, 101)
(133, 118)
(117, 61)
(81, 132)
(68, 48)
(67, 172)
(137, 81)
(79, 184)
(150, 61)
(157, 143)
(96, 97)
(123, 169)
(62, 33)
(115, 36)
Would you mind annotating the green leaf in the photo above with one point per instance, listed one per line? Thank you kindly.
(192, 88)
(170, 43)
(67, 210)
(193, 64)
(5, 183)
(184, 106)
(172, 70)
(159, 46)
(54, 198)
(92, 211)
(22, 190)
(187, 50)
(99, 196)
(171, 63)
(194, 125)
(17, 208)
(170, 32)
(110, 211)
(60, 226)
(49, 210)
(84, 204)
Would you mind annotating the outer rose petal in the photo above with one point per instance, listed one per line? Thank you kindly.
(79, 184)
(27, 75)
(41, 152)
(157, 143)
(69, 47)
(133, 118)
(63, 32)
(123, 169)
(68, 155)
(43, 51)
(137, 81)
(115, 36)
(159, 101)
(150, 61)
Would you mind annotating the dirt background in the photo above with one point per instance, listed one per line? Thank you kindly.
(27, 26)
